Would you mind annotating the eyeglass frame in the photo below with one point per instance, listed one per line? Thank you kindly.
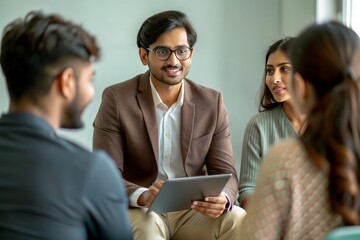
(171, 52)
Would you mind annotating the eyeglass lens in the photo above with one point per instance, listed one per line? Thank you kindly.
(163, 53)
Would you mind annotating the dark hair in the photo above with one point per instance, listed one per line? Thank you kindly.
(34, 50)
(163, 22)
(323, 55)
(267, 100)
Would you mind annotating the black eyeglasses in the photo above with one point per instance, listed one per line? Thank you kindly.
(164, 53)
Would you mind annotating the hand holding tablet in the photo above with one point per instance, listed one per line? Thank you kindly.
(178, 193)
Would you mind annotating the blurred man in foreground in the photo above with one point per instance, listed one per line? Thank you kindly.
(51, 188)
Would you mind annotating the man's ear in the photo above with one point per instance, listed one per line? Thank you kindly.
(143, 54)
(191, 55)
(66, 84)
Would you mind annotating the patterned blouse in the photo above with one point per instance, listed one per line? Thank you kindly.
(291, 198)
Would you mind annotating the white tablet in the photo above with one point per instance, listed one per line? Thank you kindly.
(178, 193)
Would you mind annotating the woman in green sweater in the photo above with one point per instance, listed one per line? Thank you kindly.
(277, 119)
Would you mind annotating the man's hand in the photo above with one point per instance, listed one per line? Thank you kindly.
(147, 197)
(211, 206)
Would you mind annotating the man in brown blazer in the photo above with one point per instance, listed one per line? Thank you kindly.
(160, 125)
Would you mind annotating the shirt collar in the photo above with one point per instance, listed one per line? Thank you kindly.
(157, 100)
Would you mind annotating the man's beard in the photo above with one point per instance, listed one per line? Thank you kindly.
(72, 116)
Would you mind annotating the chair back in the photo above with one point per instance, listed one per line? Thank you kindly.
(344, 233)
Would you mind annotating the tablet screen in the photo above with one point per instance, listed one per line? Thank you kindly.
(178, 193)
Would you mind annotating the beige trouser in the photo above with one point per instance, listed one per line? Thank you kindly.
(185, 225)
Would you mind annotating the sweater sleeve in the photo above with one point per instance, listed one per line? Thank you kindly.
(250, 159)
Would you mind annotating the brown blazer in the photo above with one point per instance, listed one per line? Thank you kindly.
(126, 127)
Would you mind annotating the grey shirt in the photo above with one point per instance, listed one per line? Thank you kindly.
(51, 188)
(262, 131)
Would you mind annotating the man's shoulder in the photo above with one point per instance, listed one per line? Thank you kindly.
(199, 90)
(128, 83)
(81, 153)
(85, 160)
(128, 88)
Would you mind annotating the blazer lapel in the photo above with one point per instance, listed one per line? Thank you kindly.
(146, 103)
(187, 121)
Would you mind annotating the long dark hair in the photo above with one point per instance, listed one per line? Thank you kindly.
(323, 55)
(267, 101)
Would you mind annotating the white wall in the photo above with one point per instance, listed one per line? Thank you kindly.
(233, 36)
(328, 9)
(297, 14)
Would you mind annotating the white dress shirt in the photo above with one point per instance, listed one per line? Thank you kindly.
(170, 164)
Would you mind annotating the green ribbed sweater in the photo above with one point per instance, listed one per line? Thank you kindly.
(263, 130)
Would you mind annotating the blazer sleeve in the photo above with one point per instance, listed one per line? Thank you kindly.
(108, 133)
(220, 157)
(106, 201)
(107, 128)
